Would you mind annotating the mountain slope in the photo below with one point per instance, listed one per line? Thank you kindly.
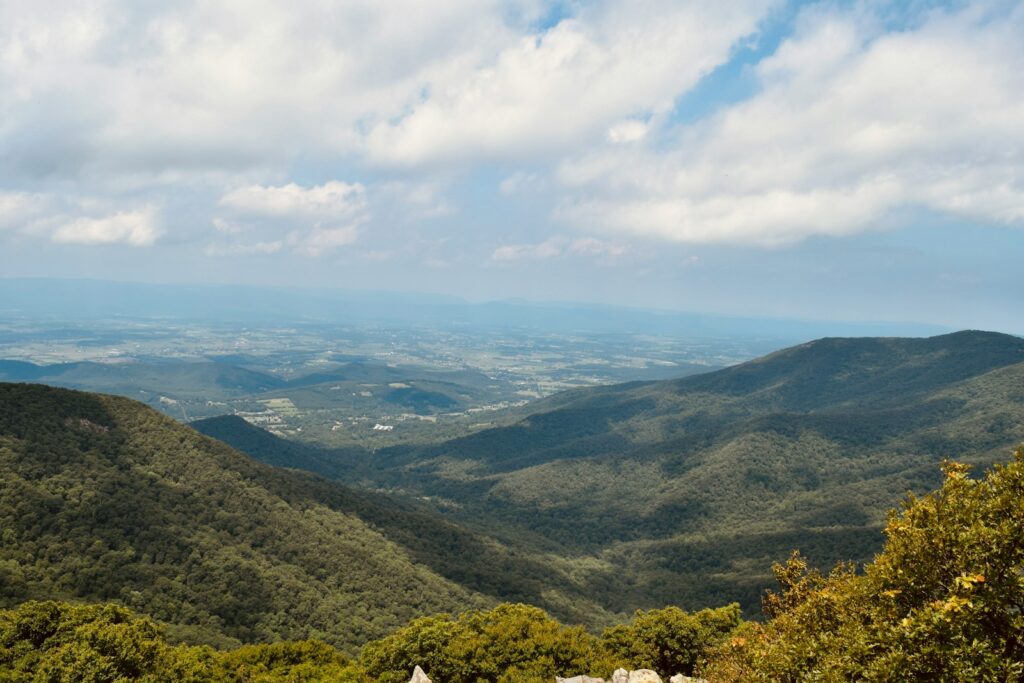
(102, 498)
(684, 491)
(185, 379)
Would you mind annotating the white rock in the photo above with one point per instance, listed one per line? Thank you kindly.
(620, 676)
(418, 676)
(644, 676)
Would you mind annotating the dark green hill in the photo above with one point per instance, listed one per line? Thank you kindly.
(19, 371)
(683, 491)
(102, 498)
(868, 371)
(274, 450)
(183, 379)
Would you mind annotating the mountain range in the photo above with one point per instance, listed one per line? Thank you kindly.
(590, 503)
(684, 491)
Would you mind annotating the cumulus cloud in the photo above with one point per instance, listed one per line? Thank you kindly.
(120, 87)
(313, 219)
(595, 247)
(18, 210)
(849, 126)
(333, 200)
(630, 130)
(208, 110)
(136, 228)
(568, 84)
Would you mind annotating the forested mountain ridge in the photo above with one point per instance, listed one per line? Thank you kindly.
(683, 491)
(102, 498)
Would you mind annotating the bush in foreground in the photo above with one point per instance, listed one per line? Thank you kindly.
(61, 642)
(944, 601)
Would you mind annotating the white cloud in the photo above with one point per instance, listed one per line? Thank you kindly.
(318, 240)
(120, 87)
(595, 247)
(630, 130)
(332, 200)
(18, 210)
(551, 91)
(849, 126)
(313, 219)
(137, 228)
(209, 109)
(176, 90)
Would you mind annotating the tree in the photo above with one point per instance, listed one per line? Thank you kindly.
(944, 600)
(670, 640)
(509, 643)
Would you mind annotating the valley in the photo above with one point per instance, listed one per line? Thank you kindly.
(331, 384)
(589, 503)
(684, 491)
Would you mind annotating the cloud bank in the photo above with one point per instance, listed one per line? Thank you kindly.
(849, 125)
(267, 130)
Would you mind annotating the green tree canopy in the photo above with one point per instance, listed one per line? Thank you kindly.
(670, 640)
(942, 602)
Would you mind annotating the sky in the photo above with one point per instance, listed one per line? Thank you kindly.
(826, 160)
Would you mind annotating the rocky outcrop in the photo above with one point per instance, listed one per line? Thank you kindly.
(680, 678)
(579, 679)
(644, 676)
(620, 676)
(418, 676)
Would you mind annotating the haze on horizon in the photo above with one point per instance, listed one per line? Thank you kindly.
(816, 160)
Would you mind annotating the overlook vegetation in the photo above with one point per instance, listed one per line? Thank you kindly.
(686, 491)
(941, 602)
(944, 601)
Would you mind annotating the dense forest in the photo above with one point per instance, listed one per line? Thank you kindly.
(693, 487)
(941, 602)
(195, 548)
(105, 499)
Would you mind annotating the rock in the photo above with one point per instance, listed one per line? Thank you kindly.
(418, 676)
(579, 679)
(644, 676)
(620, 676)
(680, 678)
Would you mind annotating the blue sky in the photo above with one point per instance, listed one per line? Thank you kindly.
(834, 160)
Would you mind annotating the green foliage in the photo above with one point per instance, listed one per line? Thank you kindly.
(670, 640)
(307, 661)
(508, 644)
(51, 642)
(522, 643)
(942, 602)
(103, 499)
(686, 491)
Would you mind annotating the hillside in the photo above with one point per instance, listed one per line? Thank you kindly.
(181, 379)
(313, 399)
(684, 491)
(102, 498)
